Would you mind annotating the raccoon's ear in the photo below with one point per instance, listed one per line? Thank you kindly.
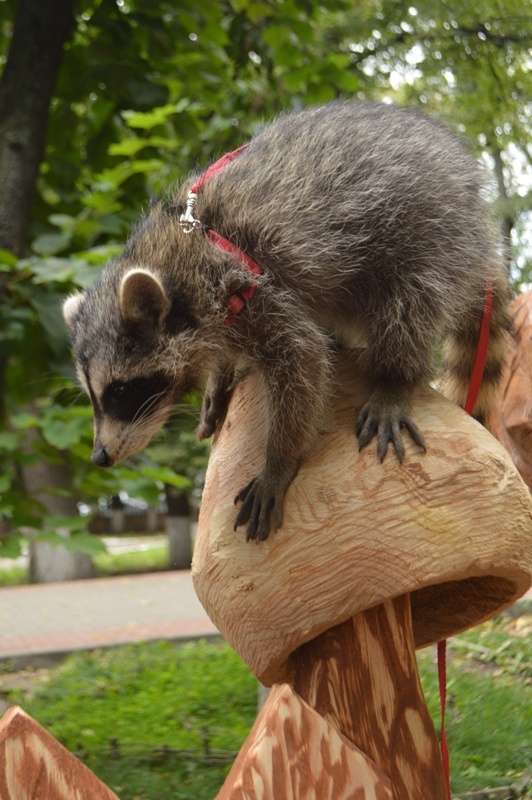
(143, 299)
(70, 307)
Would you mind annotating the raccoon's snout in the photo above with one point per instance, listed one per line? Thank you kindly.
(101, 457)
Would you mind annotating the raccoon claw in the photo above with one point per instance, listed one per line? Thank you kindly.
(386, 425)
(260, 505)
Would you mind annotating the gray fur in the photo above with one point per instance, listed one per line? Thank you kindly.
(369, 224)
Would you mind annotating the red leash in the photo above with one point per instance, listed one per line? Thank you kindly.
(482, 349)
(442, 681)
(237, 302)
(472, 395)
(217, 167)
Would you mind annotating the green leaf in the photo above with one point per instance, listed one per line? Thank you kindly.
(167, 475)
(64, 221)
(48, 307)
(11, 546)
(115, 176)
(64, 433)
(50, 243)
(149, 119)
(60, 521)
(58, 270)
(276, 35)
(8, 259)
(144, 488)
(50, 537)
(77, 542)
(102, 201)
(85, 542)
(128, 147)
(9, 441)
(24, 420)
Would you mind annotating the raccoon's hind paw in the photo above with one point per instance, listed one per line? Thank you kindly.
(262, 504)
(385, 420)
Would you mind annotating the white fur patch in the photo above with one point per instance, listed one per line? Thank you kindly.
(70, 307)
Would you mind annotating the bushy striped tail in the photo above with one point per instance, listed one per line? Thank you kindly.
(461, 347)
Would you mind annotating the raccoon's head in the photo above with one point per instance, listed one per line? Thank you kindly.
(126, 331)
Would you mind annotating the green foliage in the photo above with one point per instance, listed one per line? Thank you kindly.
(130, 562)
(150, 89)
(488, 724)
(106, 563)
(115, 708)
(119, 709)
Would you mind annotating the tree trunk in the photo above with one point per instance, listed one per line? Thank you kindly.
(177, 525)
(50, 564)
(117, 515)
(39, 32)
(26, 86)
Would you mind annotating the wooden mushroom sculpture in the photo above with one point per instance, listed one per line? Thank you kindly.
(372, 561)
(511, 421)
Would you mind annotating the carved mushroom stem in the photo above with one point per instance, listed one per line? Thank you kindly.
(362, 677)
(353, 722)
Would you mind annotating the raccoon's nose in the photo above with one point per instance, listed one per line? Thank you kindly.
(101, 457)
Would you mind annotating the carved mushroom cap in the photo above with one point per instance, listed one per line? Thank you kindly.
(452, 526)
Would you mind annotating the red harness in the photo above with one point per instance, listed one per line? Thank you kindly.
(237, 302)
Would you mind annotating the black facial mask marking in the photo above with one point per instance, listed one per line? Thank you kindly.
(128, 401)
(94, 401)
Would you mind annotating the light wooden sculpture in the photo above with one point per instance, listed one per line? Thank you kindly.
(34, 766)
(372, 561)
(511, 421)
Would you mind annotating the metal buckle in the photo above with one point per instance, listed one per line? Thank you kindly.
(187, 220)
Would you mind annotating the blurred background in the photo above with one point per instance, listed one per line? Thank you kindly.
(104, 104)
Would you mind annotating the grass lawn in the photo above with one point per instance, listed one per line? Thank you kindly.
(152, 721)
(159, 721)
(129, 562)
(126, 562)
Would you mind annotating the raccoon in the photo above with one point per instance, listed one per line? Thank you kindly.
(345, 222)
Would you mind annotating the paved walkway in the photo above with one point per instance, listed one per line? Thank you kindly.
(41, 622)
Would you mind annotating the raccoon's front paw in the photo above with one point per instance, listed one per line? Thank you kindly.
(385, 420)
(262, 504)
(213, 413)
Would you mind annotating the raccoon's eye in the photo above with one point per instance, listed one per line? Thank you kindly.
(132, 400)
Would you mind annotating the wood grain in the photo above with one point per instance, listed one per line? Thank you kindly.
(362, 677)
(511, 422)
(293, 753)
(34, 766)
(452, 527)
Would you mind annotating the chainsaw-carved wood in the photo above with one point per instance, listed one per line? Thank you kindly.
(452, 527)
(362, 677)
(511, 422)
(293, 753)
(34, 766)
(372, 560)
